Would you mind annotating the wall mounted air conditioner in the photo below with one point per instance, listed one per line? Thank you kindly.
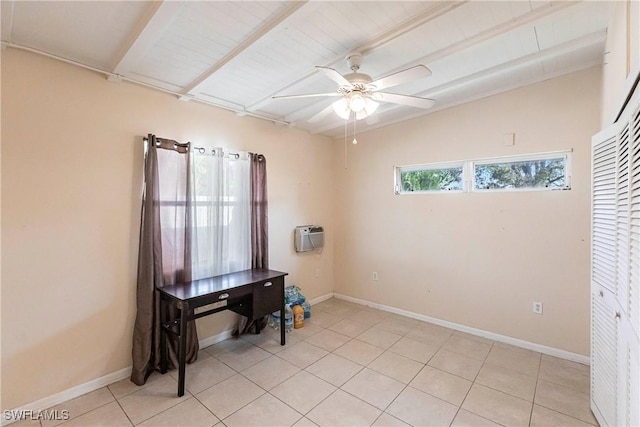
(309, 238)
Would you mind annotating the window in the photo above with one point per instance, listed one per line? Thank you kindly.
(544, 171)
(429, 178)
(221, 239)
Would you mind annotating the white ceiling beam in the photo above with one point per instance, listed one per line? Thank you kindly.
(146, 33)
(498, 30)
(553, 52)
(411, 24)
(192, 88)
(441, 8)
(550, 53)
(534, 16)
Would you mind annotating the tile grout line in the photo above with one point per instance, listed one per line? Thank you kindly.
(370, 327)
(470, 387)
(535, 390)
(85, 413)
(121, 408)
(408, 384)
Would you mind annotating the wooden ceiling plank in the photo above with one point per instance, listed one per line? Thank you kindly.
(386, 37)
(551, 53)
(496, 31)
(159, 15)
(191, 89)
(464, 100)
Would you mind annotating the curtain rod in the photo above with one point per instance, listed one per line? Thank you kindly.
(239, 112)
(201, 150)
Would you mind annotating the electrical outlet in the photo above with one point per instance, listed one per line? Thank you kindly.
(537, 307)
(374, 275)
(317, 273)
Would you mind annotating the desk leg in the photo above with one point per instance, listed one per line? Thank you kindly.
(182, 356)
(163, 337)
(282, 331)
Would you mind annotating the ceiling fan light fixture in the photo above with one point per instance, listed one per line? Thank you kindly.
(370, 106)
(341, 107)
(357, 103)
(362, 114)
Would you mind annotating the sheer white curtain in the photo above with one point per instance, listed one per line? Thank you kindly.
(221, 241)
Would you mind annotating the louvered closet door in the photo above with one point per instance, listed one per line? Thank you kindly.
(604, 344)
(615, 285)
(628, 380)
(633, 376)
(604, 347)
(622, 273)
(633, 305)
(604, 211)
(622, 218)
(632, 333)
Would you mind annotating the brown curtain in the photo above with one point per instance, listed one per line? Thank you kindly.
(259, 229)
(164, 256)
(259, 215)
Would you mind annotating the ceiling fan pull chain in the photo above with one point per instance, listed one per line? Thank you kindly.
(345, 143)
(355, 141)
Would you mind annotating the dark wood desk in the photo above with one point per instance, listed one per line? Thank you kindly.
(252, 293)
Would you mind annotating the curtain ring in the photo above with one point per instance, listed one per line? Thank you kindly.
(201, 150)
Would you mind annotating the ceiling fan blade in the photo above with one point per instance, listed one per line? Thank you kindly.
(321, 115)
(372, 119)
(404, 76)
(394, 98)
(333, 75)
(307, 95)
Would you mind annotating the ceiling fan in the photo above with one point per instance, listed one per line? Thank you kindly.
(359, 93)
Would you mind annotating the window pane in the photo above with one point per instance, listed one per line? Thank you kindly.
(432, 180)
(548, 173)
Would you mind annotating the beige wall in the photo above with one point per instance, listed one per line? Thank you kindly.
(478, 260)
(71, 185)
(71, 179)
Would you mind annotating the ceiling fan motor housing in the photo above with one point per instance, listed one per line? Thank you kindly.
(354, 59)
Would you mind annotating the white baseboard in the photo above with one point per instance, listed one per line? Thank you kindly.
(321, 298)
(214, 339)
(563, 354)
(89, 386)
(71, 393)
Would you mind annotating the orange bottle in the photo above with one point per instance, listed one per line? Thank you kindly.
(298, 317)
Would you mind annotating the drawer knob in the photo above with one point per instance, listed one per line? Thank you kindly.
(223, 296)
(267, 284)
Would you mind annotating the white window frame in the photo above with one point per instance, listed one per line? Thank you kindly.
(468, 172)
(398, 170)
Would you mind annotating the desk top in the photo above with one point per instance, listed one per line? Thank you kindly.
(210, 285)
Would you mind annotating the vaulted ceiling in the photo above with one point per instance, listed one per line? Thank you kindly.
(239, 54)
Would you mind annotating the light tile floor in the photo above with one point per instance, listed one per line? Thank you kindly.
(352, 366)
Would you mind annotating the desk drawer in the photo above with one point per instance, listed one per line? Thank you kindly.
(232, 294)
(268, 296)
